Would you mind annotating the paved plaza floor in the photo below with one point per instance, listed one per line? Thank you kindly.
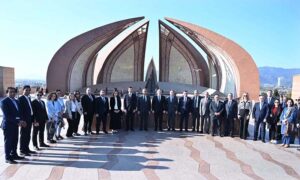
(156, 155)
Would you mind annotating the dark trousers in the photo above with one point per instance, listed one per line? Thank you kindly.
(51, 129)
(11, 136)
(129, 120)
(196, 120)
(272, 131)
(278, 133)
(88, 121)
(38, 131)
(244, 122)
(171, 120)
(102, 118)
(76, 118)
(184, 117)
(205, 124)
(229, 127)
(144, 116)
(215, 127)
(262, 126)
(158, 116)
(25, 137)
(70, 129)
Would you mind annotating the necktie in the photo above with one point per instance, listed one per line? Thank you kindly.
(28, 100)
(171, 98)
(16, 105)
(41, 103)
(159, 98)
(145, 98)
(260, 105)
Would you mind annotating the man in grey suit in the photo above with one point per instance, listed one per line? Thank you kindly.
(172, 103)
(204, 113)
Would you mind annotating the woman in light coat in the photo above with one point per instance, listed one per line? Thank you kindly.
(73, 112)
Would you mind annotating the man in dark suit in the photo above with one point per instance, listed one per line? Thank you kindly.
(10, 125)
(185, 109)
(27, 115)
(130, 102)
(101, 111)
(260, 114)
(88, 106)
(172, 105)
(231, 109)
(144, 109)
(40, 118)
(196, 111)
(205, 114)
(158, 108)
(216, 109)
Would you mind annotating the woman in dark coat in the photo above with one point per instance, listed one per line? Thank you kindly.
(115, 112)
(274, 121)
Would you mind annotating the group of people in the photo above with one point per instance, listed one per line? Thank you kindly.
(209, 115)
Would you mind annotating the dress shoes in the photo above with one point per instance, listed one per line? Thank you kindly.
(10, 161)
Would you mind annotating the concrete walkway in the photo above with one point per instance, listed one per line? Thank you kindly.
(156, 155)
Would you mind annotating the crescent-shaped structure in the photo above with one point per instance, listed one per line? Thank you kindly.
(190, 57)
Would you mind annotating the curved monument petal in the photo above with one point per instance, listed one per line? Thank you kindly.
(70, 64)
(229, 54)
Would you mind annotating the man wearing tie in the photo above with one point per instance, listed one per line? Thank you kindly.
(172, 104)
(204, 113)
(260, 114)
(196, 114)
(130, 101)
(158, 108)
(87, 102)
(40, 118)
(144, 109)
(184, 108)
(101, 110)
(27, 116)
(10, 125)
(231, 115)
(216, 109)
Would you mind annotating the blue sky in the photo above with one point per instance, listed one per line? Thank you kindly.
(32, 31)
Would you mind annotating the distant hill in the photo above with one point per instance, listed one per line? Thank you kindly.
(269, 75)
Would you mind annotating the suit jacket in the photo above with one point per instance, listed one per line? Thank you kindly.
(231, 110)
(130, 103)
(88, 105)
(260, 114)
(53, 109)
(204, 107)
(159, 106)
(194, 103)
(172, 106)
(101, 106)
(144, 106)
(271, 103)
(39, 111)
(25, 109)
(11, 115)
(214, 108)
(113, 102)
(68, 108)
(184, 108)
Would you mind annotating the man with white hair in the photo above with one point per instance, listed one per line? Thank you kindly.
(87, 102)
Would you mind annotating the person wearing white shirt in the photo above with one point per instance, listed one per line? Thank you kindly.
(60, 101)
(73, 112)
(115, 111)
(27, 116)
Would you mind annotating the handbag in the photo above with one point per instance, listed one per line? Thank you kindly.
(52, 128)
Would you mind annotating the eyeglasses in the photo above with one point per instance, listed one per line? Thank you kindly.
(276, 102)
(38, 95)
